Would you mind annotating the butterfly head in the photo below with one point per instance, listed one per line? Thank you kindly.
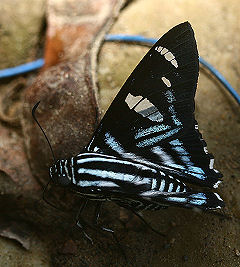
(59, 173)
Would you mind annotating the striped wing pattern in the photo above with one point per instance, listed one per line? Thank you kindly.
(151, 121)
(129, 184)
(121, 176)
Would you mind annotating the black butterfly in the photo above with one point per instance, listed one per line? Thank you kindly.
(148, 145)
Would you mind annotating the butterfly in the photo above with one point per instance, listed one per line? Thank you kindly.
(147, 150)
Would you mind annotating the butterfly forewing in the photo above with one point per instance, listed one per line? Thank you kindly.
(152, 117)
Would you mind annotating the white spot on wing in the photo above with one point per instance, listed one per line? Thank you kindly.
(164, 51)
(169, 56)
(166, 81)
(158, 48)
(144, 107)
(174, 63)
(211, 163)
(217, 184)
(217, 195)
(132, 100)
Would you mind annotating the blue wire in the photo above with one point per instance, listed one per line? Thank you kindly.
(27, 67)
(138, 39)
(130, 39)
(150, 41)
(221, 79)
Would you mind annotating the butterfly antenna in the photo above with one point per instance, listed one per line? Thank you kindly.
(54, 158)
(43, 196)
(34, 117)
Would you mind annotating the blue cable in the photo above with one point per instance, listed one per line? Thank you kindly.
(150, 41)
(221, 79)
(27, 67)
(130, 39)
(137, 39)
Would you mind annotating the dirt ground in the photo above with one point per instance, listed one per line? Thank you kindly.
(193, 238)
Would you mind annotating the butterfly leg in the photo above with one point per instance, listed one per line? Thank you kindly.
(97, 213)
(97, 216)
(147, 224)
(80, 222)
(96, 222)
(45, 199)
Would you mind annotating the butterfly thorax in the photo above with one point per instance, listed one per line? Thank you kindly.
(59, 172)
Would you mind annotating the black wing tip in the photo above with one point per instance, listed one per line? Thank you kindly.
(184, 26)
(215, 202)
(217, 182)
(174, 36)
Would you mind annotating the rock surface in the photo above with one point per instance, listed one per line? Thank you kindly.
(69, 109)
(20, 28)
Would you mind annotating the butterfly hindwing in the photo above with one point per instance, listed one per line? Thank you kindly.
(207, 200)
(152, 117)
